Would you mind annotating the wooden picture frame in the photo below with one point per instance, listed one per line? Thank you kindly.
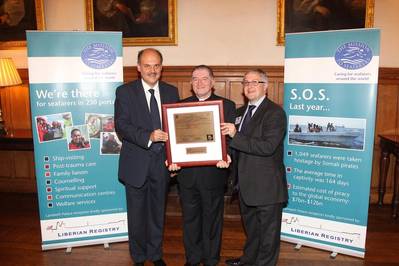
(195, 137)
(27, 15)
(142, 22)
(292, 16)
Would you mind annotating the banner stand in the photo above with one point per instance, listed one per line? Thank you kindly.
(298, 247)
(73, 77)
(68, 249)
(330, 94)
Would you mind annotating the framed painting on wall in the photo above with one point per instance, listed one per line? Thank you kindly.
(142, 22)
(17, 16)
(319, 15)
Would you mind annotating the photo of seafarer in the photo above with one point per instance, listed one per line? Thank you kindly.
(98, 123)
(93, 122)
(110, 144)
(108, 124)
(78, 138)
(332, 132)
(52, 127)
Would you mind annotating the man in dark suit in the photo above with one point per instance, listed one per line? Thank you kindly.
(142, 158)
(202, 188)
(260, 171)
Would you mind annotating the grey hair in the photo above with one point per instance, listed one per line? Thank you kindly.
(261, 73)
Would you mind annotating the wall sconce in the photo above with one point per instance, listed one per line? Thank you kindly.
(8, 77)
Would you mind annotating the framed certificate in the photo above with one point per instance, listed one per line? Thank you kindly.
(194, 133)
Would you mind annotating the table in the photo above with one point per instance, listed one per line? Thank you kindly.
(389, 145)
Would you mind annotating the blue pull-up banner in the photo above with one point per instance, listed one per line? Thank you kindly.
(73, 77)
(330, 92)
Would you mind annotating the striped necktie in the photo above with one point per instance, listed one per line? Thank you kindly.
(247, 118)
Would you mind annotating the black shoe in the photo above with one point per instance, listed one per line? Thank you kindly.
(234, 262)
(159, 263)
(139, 264)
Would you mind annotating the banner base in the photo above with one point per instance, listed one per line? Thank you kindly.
(70, 245)
(334, 249)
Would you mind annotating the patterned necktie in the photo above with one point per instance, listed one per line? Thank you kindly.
(156, 120)
(247, 118)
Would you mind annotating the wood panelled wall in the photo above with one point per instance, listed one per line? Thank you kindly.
(17, 172)
(17, 167)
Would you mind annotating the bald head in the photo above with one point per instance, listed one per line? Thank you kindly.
(149, 51)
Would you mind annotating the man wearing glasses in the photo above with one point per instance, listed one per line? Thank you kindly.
(258, 142)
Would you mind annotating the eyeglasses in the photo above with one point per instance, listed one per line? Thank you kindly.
(253, 83)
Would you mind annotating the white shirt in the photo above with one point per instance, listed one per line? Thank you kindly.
(156, 94)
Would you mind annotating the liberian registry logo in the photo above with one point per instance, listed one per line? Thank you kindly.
(98, 55)
(353, 55)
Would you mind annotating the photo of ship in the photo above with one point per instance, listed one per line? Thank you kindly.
(334, 132)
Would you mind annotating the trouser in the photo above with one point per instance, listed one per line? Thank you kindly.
(263, 226)
(202, 223)
(146, 214)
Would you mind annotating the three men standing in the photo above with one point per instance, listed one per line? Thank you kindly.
(258, 144)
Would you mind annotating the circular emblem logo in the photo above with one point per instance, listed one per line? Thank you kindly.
(98, 55)
(353, 55)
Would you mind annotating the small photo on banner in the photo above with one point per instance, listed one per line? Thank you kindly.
(98, 123)
(93, 122)
(51, 127)
(110, 143)
(78, 138)
(108, 124)
(328, 132)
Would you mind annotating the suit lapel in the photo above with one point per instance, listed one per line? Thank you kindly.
(241, 110)
(142, 101)
(213, 97)
(163, 93)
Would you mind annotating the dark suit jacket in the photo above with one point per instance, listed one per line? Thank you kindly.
(260, 167)
(210, 176)
(133, 124)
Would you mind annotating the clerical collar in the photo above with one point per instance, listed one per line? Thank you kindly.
(204, 99)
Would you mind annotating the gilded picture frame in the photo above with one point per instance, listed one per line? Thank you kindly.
(304, 16)
(17, 17)
(142, 22)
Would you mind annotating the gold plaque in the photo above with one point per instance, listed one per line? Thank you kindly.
(194, 127)
(196, 150)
